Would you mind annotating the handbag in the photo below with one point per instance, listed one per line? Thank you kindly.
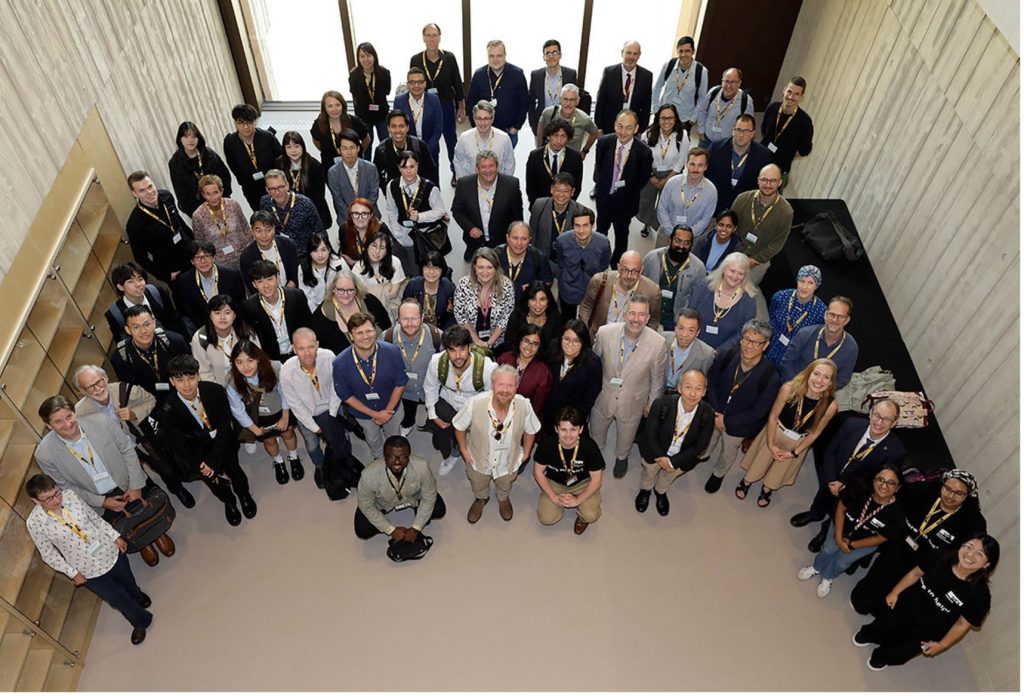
(145, 520)
(829, 238)
(399, 551)
(853, 396)
(915, 407)
(430, 236)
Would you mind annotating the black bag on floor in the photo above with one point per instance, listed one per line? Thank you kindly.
(827, 236)
(145, 520)
(340, 473)
(399, 551)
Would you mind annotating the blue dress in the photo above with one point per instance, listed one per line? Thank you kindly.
(786, 320)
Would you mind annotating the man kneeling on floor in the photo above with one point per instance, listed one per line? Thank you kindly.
(398, 481)
(569, 468)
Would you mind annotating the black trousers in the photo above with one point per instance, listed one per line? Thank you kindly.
(898, 636)
(443, 439)
(612, 213)
(409, 412)
(117, 587)
(365, 530)
(231, 481)
(568, 310)
(895, 559)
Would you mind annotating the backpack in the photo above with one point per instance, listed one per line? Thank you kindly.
(698, 70)
(478, 368)
(152, 294)
(829, 238)
(399, 551)
(743, 99)
(160, 340)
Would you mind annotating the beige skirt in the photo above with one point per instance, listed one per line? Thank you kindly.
(760, 463)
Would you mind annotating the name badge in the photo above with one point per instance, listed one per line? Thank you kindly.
(620, 184)
(264, 410)
(176, 238)
(494, 103)
(625, 105)
(337, 159)
(716, 129)
(772, 147)
(911, 543)
(163, 386)
(751, 237)
(733, 181)
(681, 219)
(783, 339)
(615, 381)
(875, 522)
(484, 334)
(667, 294)
(408, 223)
(374, 107)
(711, 329)
(432, 90)
(94, 547)
(150, 257)
(401, 506)
(412, 376)
(571, 480)
(227, 250)
(372, 396)
(101, 477)
(213, 433)
(791, 434)
(256, 176)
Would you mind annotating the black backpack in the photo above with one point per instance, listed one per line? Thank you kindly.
(829, 238)
(399, 551)
(743, 100)
(698, 71)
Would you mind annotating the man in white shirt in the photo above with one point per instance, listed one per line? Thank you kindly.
(483, 137)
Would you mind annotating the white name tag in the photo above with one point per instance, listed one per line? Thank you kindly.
(150, 257)
(733, 181)
(163, 386)
(791, 434)
(571, 481)
(751, 237)
(494, 103)
(213, 433)
(412, 376)
(620, 184)
(484, 334)
(772, 147)
(256, 176)
(667, 294)
(615, 381)
(372, 396)
(432, 90)
(337, 159)
(374, 107)
(783, 339)
(101, 477)
(264, 410)
(94, 547)
(227, 250)
(711, 329)
(716, 129)
(176, 238)
(681, 219)
(911, 543)
(408, 223)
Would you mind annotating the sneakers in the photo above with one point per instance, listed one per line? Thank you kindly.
(406, 430)
(446, 466)
(806, 573)
(824, 587)
(858, 641)
(875, 667)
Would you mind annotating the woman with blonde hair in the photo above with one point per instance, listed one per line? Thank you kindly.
(484, 299)
(725, 301)
(802, 409)
(345, 297)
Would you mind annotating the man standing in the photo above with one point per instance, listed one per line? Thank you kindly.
(352, 177)
(569, 469)
(765, 220)
(735, 163)
(369, 376)
(275, 313)
(194, 289)
(269, 246)
(426, 121)
(400, 480)
(608, 294)
(156, 231)
(445, 80)
(483, 137)
(675, 270)
(786, 130)
(722, 107)
(74, 540)
(623, 167)
(624, 87)
(682, 82)
(684, 350)
(296, 216)
(829, 341)
(546, 83)
(522, 262)
(486, 203)
(418, 341)
(633, 360)
(547, 161)
(584, 131)
(495, 431)
(504, 86)
(677, 430)
(578, 256)
(250, 152)
(552, 215)
(742, 386)
(142, 358)
(388, 153)
(689, 199)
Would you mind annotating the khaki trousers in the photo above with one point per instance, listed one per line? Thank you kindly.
(589, 511)
(653, 476)
(625, 431)
(481, 484)
(731, 452)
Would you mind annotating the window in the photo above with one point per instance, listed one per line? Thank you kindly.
(653, 25)
(304, 50)
(525, 30)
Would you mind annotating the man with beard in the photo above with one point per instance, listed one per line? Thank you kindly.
(688, 199)
(734, 163)
(675, 270)
(387, 155)
(608, 294)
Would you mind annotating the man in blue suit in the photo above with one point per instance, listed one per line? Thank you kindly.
(504, 85)
(426, 120)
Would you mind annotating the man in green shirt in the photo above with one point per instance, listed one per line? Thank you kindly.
(765, 219)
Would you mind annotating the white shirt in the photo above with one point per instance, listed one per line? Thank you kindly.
(417, 108)
(485, 196)
(391, 208)
(669, 154)
(303, 397)
(128, 304)
(683, 421)
(272, 254)
(353, 175)
(499, 462)
(276, 314)
(63, 550)
(88, 457)
(471, 142)
(456, 398)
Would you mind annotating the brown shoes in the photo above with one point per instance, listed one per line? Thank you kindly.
(476, 510)
(166, 545)
(505, 509)
(149, 555)
(580, 526)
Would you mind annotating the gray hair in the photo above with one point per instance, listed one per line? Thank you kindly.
(276, 173)
(639, 298)
(346, 273)
(736, 257)
(483, 105)
(85, 368)
(758, 326)
(505, 370)
(519, 223)
(485, 154)
(570, 89)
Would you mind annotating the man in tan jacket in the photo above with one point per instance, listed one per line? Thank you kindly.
(608, 293)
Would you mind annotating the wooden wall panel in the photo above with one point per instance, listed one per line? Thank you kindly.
(145, 66)
(916, 114)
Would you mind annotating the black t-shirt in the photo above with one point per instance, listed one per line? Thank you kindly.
(918, 500)
(575, 469)
(887, 520)
(939, 598)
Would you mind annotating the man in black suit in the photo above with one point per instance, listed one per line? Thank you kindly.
(545, 162)
(156, 231)
(142, 357)
(275, 312)
(133, 288)
(552, 215)
(486, 204)
(860, 447)
(624, 85)
(269, 246)
(734, 163)
(388, 153)
(546, 83)
(622, 168)
(197, 428)
(194, 290)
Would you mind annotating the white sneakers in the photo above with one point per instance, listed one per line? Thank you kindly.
(447, 465)
(406, 430)
(806, 573)
(824, 587)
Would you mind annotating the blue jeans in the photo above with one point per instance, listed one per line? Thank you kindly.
(831, 562)
(117, 588)
(313, 448)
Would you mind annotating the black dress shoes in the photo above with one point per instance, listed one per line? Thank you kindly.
(619, 470)
(281, 472)
(138, 635)
(185, 497)
(643, 499)
(318, 478)
(297, 469)
(801, 519)
(713, 483)
(815, 544)
(232, 514)
(661, 503)
(248, 507)
(144, 601)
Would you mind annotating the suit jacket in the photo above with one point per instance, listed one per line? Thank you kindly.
(130, 366)
(660, 428)
(609, 98)
(720, 170)
(289, 257)
(508, 207)
(643, 377)
(636, 174)
(341, 188)
(542, 223)
(537, 88)
(432, 119)
(110, 444)
(296, 315)
(190, 297)
(163, 311)
(511, 94)
(386, 160)
(538, 179)
(594, 310)
(700, 357)
(842, 446)
(140, 402)
(702, 248)
(190, 443)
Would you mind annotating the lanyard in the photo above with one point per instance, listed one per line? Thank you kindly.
(476, 140)
(564, 369)
(693, 199)
(565, 218)
(68, 521)
(801, 422)
(91, 461)
(416, 113)
(925, 528)
(199, 160)
(679, 431)
(371, 85)
(739, 165)
(736, 381)
(790, 324)
(407, 200)
(430, 306)
(373, 369)
(615, 299)
(312, 377)
(497, 82)
(553, 96)
(669, 278)
(488, 199)
(250, 149)
(817, 344)
(865, 517)
(499, 425)
(686, 76)
(278, 261)
(166, 223)
(622, 350)
(719, 111)
(278, 320)
(437, 72)
(547, 160)
(199, 282)
(401, 482)
(514, 269)
(296, 176)
(291, 205)
(778, 133)
(753, 218)
(860, 454)
(401, 346)
(227, 343)
(222, 224)
(201, 412)
(625, 157)
(567, 468)
(155, 364)
(663, 149)
(719, 312)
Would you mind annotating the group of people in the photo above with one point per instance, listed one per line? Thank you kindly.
(265, 328)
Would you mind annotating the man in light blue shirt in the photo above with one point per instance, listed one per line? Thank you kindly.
(682, 82)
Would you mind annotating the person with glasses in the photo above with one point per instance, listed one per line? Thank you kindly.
(829, 340)
(676, 270)
(503, 85)
(527, 357)
(551, 216)
(794, 308)
(765, 220)
(495, 432)
(418, 341)
(426, 120)
(934, 606)
(346, 297)
(584, 131)
(608, 294)
(295, 215)
(546, 83)
(575, 373)
(722, 106)
(861, 446)
(352, 178)
(941, 515)
(787, 130)
(250, 152)
(434, 290)
(194, 290)
(551, 158)
(734, 163)
(670, 150)
(537, 306)
(569, 469)
(381, 271)
(142, 357)
(483, 137)
(867, 514)
(445, 80)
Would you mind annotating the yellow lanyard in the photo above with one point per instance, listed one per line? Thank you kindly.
(371, 83)
(693, 199)
(753, 202)
(401, 482)
(458, 379)
(778, 133)
(925, 528)
(663, 149)
(567, 468)
(547, 160)
(227, 343)
(553, 96)
(222, 224)
(407, 200)
(738, 165)
(499, 425)
(736, 381)
(68, 521)
(719, 312)
(405, 356)
(790, 325)
(669, 278)
(279, 262)
(166, 223)
(288, 214)
(417, 112)
(488, 199)
(622, 350)
(625, 158)
(155, 365)
(295, 176)
(686, 76)
(679, 431)
(801, 422)
(199, 282)
(430, 306)
(719, 112)
(476, 139)
(201, 412)
(817, 344)
(861, 454)
(554, 217)
(199, 161)
(91, 461)
(494, 87)
(373, 368)
(514, 270)
(615, 299)
(250, 149)
(437, 72)
(312, 377)
(278, 320)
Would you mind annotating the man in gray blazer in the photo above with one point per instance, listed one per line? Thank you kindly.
(552, 215)
(684, 351)
(633, 361)
(352, 178)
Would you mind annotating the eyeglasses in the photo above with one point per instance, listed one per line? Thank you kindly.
(766, 180)
(752, 342)
(882, 419)
(379, 246)
(275, 189)
(629, 271)
(345, 291)
(886, 483)
(974, 552)
(730, 82)
(572, 341)
(531, 342)
(201, 257)
(953, 493)
(416, 82)
(836, 317)
(747, 130)
(667, 117)
(360, 213)
(53, 496)
(101, 382)
(552, 53)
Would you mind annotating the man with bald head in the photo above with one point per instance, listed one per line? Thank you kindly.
(624, 85)
(609, 292)
(723, 106)
(765, 219)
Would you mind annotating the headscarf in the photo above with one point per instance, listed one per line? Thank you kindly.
(809, 271)
(965, 477)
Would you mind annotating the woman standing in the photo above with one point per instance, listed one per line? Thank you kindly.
(575, 371)
(330, 122)
(792, 310)
(536, 307)
(801, 411)
(434, 290)
(347, 296)
(370, 85)
(725, 301)
(534, 376)
(305, 174)
(221, 222)
(669, 144)
(317, 269)
(381, 271)
(191, 161)
(213, 343)
(258, 405)
(484, 299)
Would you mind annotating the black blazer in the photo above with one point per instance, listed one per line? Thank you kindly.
(296, 315)
(385, 159)
(579, 388)
(719, 170)
(702, 248)
(266, 148)
(163, 311)
(185, 176)
(332, 338)
(747, 412)
(508, 207)
(361, 95)
(660, 427)
(130, 367)
(190, 298)
(841, 448)
(637, 173)
(542, 222)
(538, 180)
(315, 189)
(160, 250)
(190, 443)
(536, 91)
(289, 257)
(609, 98)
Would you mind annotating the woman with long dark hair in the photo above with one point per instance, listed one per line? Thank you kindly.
(575, 372)
(212, 344)
(669, 144)
(434, 290)
(381, 271)
(191, 161)
(328, 125)
(318, 268)
(528, 358)
(306, 175)
(537, 306)
(370, 85)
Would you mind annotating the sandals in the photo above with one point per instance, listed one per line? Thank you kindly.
(765, 499)
(741, 489)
